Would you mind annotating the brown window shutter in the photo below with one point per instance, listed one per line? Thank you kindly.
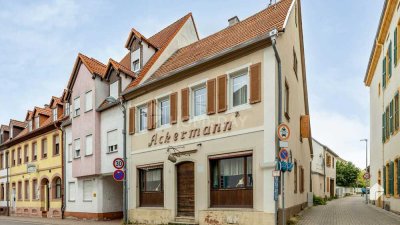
(211, 96)
(132, 120)
(174, 107)
(305, 126)
(151, 123)
(255, 83)
(222, 102)
(185, 104)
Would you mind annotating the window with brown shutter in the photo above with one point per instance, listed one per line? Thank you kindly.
(211, 97)
(151, 123)
(132, 120)
(222, 103)
(174, 107)
(185, 104)
(305, 126)
(255, 83)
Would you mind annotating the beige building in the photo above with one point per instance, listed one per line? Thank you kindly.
(203, 115)
(323, 170)
(384, 83)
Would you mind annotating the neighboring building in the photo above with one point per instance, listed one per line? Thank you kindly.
(323, 170)
(35, 165)
(202, 123)
(93, 138)
(384, 83)
(4, 136)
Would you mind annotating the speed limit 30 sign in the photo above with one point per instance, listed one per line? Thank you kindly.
(118, 163)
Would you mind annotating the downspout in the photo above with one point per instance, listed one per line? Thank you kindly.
(8, 184)
(323, 163)
(125, 194)
(63, 183)
(278, 60)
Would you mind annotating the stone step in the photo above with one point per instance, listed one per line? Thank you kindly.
(183, 221)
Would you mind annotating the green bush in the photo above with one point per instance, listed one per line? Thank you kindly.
(318, 200)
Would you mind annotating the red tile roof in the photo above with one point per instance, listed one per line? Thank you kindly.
(17, 123)
(55, 101)
(161, 41)
(118, 66)
(44, 111)
(93, 65)
(252, 27)
(5, 128)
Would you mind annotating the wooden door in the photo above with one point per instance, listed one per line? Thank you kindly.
(332, 188)
(185, 188)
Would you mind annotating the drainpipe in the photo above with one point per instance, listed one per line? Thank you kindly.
(125, 194)
(8, 184)
(278, 60)
(63, 183)
(323, 163)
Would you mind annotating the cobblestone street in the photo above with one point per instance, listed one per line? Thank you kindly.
(348, 211)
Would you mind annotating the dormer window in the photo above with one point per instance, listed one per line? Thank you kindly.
(67, 109)
(37, 122)
(30, 125)
(55, 114)
(114, 90)
(136, 65)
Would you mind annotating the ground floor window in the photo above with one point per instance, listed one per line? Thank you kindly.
(232, 181)
(26, 189)
(151, 186)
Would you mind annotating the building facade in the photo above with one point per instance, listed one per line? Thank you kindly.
(202, 124)
(383, 82)
(323, 171)
(34, 162)
(4, 178)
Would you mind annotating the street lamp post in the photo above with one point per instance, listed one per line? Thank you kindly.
(112, 100)
(366, 166)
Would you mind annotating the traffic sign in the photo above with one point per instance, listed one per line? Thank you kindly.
(367, 176)
(119, 175)
(283, 154)
(118, 163)
(283, 132)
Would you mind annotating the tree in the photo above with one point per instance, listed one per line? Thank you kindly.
(346, 174)
(361, 182)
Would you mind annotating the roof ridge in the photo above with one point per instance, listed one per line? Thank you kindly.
(171, 24)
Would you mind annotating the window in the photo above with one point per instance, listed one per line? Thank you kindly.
(89, 145)
(384, 73)
(295, 63)
(395, 54)
(163, 105)
(391, 118)
(19, 190)
(26, 155)
(30, 125)
(328, 160)
(151, 187)
(199, 100)
(114, 92)
(70, 156)
(37, 122)
(383, 127)
(239, 88)
(77, 106)
(71, 191)
(396, 176)
(136, 65)
(301, 179)
(26, 189)
(56, 148)
(67, 109)
(13, 158)
(230, 178)
(286, 101)
(396, 111)
(142, 117)
(57, 188)
(2, 192)
(77, 145)
(55, 114)
(19, 156)
(44, 148)
(34, 151)
(387, 123)
(112, 140)
(88, 101)
(1, 161)
(295, 176)
(389, 63)
(87, 190)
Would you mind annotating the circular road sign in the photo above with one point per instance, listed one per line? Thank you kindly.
(118, 163)
(283, 154)
(283, 132)
(119, 175)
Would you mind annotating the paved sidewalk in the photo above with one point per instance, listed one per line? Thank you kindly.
(348, 211)
(44, 221)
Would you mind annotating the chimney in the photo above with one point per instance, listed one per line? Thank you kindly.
(234, 20)
(46, 105)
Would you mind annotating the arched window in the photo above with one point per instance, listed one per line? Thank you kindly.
(57, 188)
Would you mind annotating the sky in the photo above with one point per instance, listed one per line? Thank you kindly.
(40, 40)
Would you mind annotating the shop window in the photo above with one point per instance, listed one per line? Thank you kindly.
(151, 187)
(232, 181)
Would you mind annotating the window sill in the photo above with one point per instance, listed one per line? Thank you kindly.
(89, 155)
(152, 207)
(88, 110)
(69, 161)
(111, 152)
(142, 132)
(198, 118)
(238, 108)
(87, 200)
(71, 200)
(78, 157)
(227, 208)
(165, 126)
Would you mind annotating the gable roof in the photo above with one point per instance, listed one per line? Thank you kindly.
(44, 111)
(259, 24)
(137, 34)
(5, 128)
(17, 123)
(161, 41)
(29, 115)
(112, 64)
(55, 101)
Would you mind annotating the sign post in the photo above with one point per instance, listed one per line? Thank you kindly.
(119, 174)
(283, 133)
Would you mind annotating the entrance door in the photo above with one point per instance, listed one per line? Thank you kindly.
(185, 187)
(332, 188)
(45, 195)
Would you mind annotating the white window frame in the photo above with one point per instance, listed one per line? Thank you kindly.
(29, 126)
(88, 145)
(55, 114)
(193, 89)
(243, 71)
(89, 96)
(77, 149)
(71, 191)
(112, 148)
(138, 118)
(159, 115)
(111, 87)
(67, 109)
(91, 191)
(70, 152)
(37, 123)
(138, 65)
(77, 111)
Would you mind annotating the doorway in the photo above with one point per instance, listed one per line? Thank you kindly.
(45, 195)
(332, 188)
(185, 189)
(13, 197)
